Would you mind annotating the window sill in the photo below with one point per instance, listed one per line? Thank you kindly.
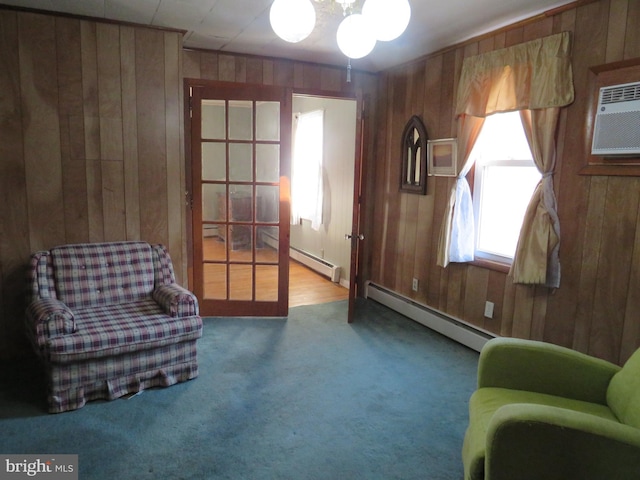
(491, 265)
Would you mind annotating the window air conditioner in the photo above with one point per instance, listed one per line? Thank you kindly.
(617, 126)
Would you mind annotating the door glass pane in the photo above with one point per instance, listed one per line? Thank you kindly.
(214, 208)
(240, 282)
(214, 161)
(240, 243)
(268, 121)
(213, 242)
(267, 244)
(213, 119)
(240, 120)
(215, 281)
(267, 283)
(267, 162)
(240, 162)
(241, 203)
(268, 198)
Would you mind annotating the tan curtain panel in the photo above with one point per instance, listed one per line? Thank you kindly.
(535, 77)
(531, 75)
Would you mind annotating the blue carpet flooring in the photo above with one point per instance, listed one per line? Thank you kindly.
(306, 397)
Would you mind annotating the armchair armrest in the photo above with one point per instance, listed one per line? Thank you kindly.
(544, 368)
(527, 442)
(176, 301)
(49, 318)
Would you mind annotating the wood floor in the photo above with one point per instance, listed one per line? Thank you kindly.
(306, 287)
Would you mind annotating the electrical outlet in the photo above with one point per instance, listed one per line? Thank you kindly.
(414, 285)
(488, 309)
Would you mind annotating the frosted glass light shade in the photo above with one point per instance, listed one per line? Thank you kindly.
(388, 18)
(355, 38)
(292, 20)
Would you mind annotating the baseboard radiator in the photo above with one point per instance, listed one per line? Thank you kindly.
(446, 325)
(315, 263)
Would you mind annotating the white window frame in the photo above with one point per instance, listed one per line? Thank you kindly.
(477, 197)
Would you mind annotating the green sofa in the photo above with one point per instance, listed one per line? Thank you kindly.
(546, 412)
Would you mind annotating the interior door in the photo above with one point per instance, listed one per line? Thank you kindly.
(240, 148)
(356, 236)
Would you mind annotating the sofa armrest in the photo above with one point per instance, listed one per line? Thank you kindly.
(544, 368)
(49, 318)
(176, 301)
(527, 442)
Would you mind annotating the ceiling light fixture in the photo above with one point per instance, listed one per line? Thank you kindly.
(384, 20)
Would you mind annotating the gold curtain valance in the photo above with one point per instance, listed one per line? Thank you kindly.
(531, 75)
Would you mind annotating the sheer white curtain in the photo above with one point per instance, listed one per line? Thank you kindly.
(306, 168)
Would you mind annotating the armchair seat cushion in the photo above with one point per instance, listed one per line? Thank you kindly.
(485, 402)
(109, 330)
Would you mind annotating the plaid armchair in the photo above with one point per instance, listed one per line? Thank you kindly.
(108, 319)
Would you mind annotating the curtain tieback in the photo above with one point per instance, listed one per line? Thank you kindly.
(547, 174)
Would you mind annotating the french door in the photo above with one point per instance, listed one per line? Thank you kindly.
(240, 148)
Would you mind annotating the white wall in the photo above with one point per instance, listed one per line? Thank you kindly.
(339, 159)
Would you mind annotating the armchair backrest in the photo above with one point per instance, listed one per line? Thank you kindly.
(92, 274)
(623, 394)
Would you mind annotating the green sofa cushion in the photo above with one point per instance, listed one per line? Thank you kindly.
(623, 394)
(486, 401)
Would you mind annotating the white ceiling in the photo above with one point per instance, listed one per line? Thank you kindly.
(242, 26)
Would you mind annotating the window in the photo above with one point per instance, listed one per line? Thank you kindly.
(505, 179)
(306, 169)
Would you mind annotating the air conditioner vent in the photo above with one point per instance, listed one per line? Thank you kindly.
(616, 130)
(620, 93)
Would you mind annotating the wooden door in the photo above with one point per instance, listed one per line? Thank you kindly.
(240, 154)
(356, 236)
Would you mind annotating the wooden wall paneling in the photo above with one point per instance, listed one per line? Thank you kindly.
(152, 160)
(392, 177)
(475, 295)
(456, 283)
(538, 29)
(630, 341)
(112, 185)
(538, 316)
(514, 36)
(331, 78)
(130, 132)
(312, 78)
(209, 66)
(413, 106)
(621, 205)
(41, 129)
(71, 115)
(590, 259)
(436, 188)
(589, 39)
(226, 68)
(379, 193)
(191, 64)
(241, 69)
(283, 73)
(523, 311)
(495, 294)
(617, 30)
(254, 70)
(14, 241)
(508, 308)
(267, 72)
(174, 148)
(111, 133)
(90, 104)
(632, 40)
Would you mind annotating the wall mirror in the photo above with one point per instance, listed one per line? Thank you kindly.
(413, 177)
